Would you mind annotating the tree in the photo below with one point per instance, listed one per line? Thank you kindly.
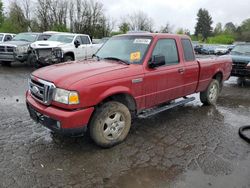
(124, 27)
(167, 28)
(180, 31)
(230, 28)
(43, 14)
(204, 24)
(218, 29)
(243, 32)
(140, 21)
(17, 17)
(1, 13)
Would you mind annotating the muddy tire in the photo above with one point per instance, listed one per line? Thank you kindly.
(110, 124)
(211, 94)
(68, 58)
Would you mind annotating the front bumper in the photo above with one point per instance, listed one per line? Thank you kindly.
(11, 57)
(51, 56)
(7, 56)
(241, 72)
(21, 57)
(60, 121)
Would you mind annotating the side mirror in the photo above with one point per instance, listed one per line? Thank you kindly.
(77, 43)
(157, 61)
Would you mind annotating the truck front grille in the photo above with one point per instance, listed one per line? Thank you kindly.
(41, 90)
(44, 52)
(239, 65)
(6, 49)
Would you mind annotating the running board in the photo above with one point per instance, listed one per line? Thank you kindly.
(157, 110)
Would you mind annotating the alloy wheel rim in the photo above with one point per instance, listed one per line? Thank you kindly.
(113, 126)
(213, 92)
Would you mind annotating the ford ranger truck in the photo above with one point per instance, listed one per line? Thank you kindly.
(131, 75)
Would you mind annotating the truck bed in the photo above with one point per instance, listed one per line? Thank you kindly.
(211, 65)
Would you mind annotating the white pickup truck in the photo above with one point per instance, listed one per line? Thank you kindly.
(63, 47)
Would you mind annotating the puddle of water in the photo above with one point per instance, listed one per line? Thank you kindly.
(238, 178)
(147, 177)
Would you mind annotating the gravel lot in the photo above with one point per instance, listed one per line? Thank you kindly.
(190, 146)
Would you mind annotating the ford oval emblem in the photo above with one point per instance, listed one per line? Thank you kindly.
(35, 90)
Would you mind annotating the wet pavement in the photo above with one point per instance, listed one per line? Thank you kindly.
(190, 146)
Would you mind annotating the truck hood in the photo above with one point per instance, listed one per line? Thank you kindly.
(15, 43)
(46, 44)
(65, 74)
(240, 58)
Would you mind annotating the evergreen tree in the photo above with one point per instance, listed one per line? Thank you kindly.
(204, 24)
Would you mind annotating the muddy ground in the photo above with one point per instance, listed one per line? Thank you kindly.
(190, 146)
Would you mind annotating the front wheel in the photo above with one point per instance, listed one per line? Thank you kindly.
(68, 58)
(211, 94)
(110, 124)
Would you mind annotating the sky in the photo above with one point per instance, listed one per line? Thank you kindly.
(178, 13)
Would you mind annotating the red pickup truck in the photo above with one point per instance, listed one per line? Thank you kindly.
(131, 75)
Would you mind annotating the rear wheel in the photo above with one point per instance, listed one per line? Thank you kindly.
(110, 124)
(211, 94)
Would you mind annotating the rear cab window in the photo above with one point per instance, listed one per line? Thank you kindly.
(188, 50)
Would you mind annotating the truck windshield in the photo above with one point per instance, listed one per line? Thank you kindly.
(62, 38)
(241, 49)
(1, 37)
(129, 49)
(29, 37)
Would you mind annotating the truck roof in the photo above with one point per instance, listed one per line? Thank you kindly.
(156, 35)
(66, 33)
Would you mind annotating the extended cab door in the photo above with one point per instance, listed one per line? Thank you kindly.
(164, 83)
(191, 67)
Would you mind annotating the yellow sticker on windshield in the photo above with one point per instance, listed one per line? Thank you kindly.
(135, 56)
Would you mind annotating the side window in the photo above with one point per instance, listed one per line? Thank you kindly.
(188, 50)
(79, 39)
(43, 37)
(85, 40)
(168, 49)
(7, 38)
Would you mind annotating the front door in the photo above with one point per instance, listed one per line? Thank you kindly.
(164, 83)
(80, 51)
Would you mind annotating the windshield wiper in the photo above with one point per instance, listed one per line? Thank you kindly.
(117, 59)
(98, 58)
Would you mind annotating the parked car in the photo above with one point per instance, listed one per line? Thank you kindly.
(221, 50)
(198, 49)
(18, 48)
(132, 75)
(6, 37)
(241, 60)
(63, 47)
(208, 50)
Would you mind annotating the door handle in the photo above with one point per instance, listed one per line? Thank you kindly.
(181, 70)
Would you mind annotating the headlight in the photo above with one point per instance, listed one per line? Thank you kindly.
(22, 49)
(66, 97)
